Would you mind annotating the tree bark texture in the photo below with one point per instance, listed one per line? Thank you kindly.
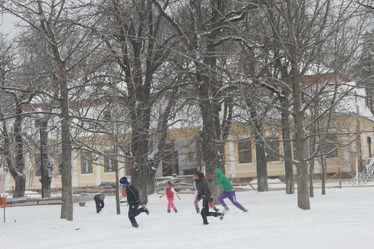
(287, 145)
(66, 147)
(45, 166)
(17, 170)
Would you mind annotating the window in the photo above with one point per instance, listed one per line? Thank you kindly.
(109, 162)
(245, 151)
(191, 156)
(273, 154)
(369, 145)
(330, 145)
(86, 162)
(56, 162)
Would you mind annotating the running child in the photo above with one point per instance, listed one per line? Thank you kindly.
(99, 201)
(133, 201)
(228, 191)
(203, 192)
(196, 201)
(170, 192)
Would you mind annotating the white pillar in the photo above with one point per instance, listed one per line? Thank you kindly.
(98, 174)
(232, 159)
(74, 171)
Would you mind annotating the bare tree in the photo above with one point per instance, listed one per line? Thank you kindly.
(58, 23)
(138, 38)
(202, 35)
(17, 92)
(301, 44)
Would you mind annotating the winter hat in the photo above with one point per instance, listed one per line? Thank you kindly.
(124, 181)
(199, 174)
(218, 172)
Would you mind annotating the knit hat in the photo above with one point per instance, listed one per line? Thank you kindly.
(124, 181)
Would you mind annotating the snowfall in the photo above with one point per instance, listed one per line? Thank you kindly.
(344, 218)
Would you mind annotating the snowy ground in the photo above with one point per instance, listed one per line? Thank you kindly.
(344, 218)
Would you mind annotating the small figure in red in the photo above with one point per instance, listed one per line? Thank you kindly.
(170, 192)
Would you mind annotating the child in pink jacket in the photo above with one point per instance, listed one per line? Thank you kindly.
(170, 192)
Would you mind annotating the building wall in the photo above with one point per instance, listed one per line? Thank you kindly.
(97, 177)
(185, 145)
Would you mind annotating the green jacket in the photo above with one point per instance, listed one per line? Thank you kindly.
(223, 181)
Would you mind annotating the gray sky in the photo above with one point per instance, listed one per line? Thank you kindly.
(7, 24)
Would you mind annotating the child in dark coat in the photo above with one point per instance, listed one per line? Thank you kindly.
(196, 201)
(133, 201)
(99, 201)
(203, 192)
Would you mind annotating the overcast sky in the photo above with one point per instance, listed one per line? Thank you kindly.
(7, 24)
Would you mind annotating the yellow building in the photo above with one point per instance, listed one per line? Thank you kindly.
(183, 157)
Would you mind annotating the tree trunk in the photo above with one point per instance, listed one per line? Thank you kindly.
(311, 178)
(45, 167)
(66, 148)
(20, 185)
(209, 84)
(139, 143)
(312, 147)
(302, 167)
(151, 181)
(261, 160)
(139, 149)
(212, 148)
(118, 201)
(18, 175)
(302, 188)
(287, 146)
(261, 166)
(162, 133)
(323, 167)
(299, 115)
(300, 141)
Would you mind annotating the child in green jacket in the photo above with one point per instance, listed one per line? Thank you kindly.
(228, 191)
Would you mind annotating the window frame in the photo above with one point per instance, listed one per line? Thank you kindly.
(270, 155)
(108, 159)
(327, 146)
(85, 159)
(248, 158)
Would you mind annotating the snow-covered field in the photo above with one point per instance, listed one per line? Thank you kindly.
(344, 218)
